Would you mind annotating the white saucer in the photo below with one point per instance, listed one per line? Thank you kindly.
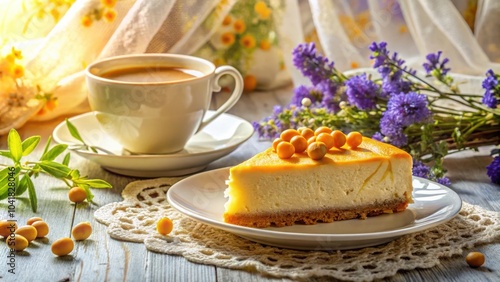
(201, 197)
(217, 139)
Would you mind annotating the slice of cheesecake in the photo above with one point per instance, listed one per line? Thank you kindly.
(346, 183)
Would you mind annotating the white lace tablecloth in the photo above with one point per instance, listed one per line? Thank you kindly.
(134, 219)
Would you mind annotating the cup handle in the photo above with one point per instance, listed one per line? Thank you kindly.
(235, 96)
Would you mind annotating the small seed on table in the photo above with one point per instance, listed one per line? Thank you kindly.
(164, 226)
(81, 231)
(475, 259)
(63, 246)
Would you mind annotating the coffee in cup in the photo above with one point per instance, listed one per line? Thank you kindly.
(154, 103)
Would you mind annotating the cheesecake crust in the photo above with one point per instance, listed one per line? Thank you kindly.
(287, 218)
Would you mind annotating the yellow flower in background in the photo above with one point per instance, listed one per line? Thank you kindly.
(227, 38)
(16, 71)
(108, 3)
(239, 26)
(248, 41)
(109, 15)
(262, 10)
(227, 20)
(16, 53)
(219, 62)
(9, 67)
(86, 21)
(265, 44)
(10, 58)
(105, 11)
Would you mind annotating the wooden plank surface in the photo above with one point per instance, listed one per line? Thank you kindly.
(101, 258)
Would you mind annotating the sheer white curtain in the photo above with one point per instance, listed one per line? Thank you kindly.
(466, 31)
(59, 38)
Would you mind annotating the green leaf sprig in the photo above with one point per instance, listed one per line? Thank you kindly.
(20, 174)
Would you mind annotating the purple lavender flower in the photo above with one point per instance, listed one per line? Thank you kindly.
(393, 130)
(378, 136)
(407, 109)
(444, 181)
(380, 53)
(491, 85)
(311, 92)
(420, 169)
(362, 92)
(435, 65)
(277, 109)
(312, 65)
(330, 100)
(490, 100)
(394, 84)
(493, 170)
(300, 93)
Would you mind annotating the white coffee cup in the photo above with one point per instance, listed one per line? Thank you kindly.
(154, 103)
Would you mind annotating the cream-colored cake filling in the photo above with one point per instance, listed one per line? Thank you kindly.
(318, 187)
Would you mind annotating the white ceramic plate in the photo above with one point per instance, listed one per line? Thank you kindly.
(201, 197)
(216, 140)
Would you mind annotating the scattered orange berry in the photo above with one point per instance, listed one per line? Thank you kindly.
(63, 246)
(276, 142)
(307, 133)
(77, 194)
(322, 129)
(339, 138)
(354, 139)
(7, 227)
(29, 232)
(42, 228)
(285, 150)
(288, 134)
(17, 242)
(311, 140)
(81, 231)
(316, 150)
(325, 138)
(475, 259)
(299, 143)
(33, 219)
(164, 226)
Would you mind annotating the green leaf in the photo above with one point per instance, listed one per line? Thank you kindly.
(86, 187)
(4, 189)
(23, 185)
(5, 153)
(54, 152)
(47, 145)
(75, 174)
(66, 159)
(55, 169)
(30, 144)
(73, 131)
(15, 145)
(97, 183)
(32, 194)
(5, 174)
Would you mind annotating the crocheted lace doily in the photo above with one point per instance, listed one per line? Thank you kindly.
(145, 202)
